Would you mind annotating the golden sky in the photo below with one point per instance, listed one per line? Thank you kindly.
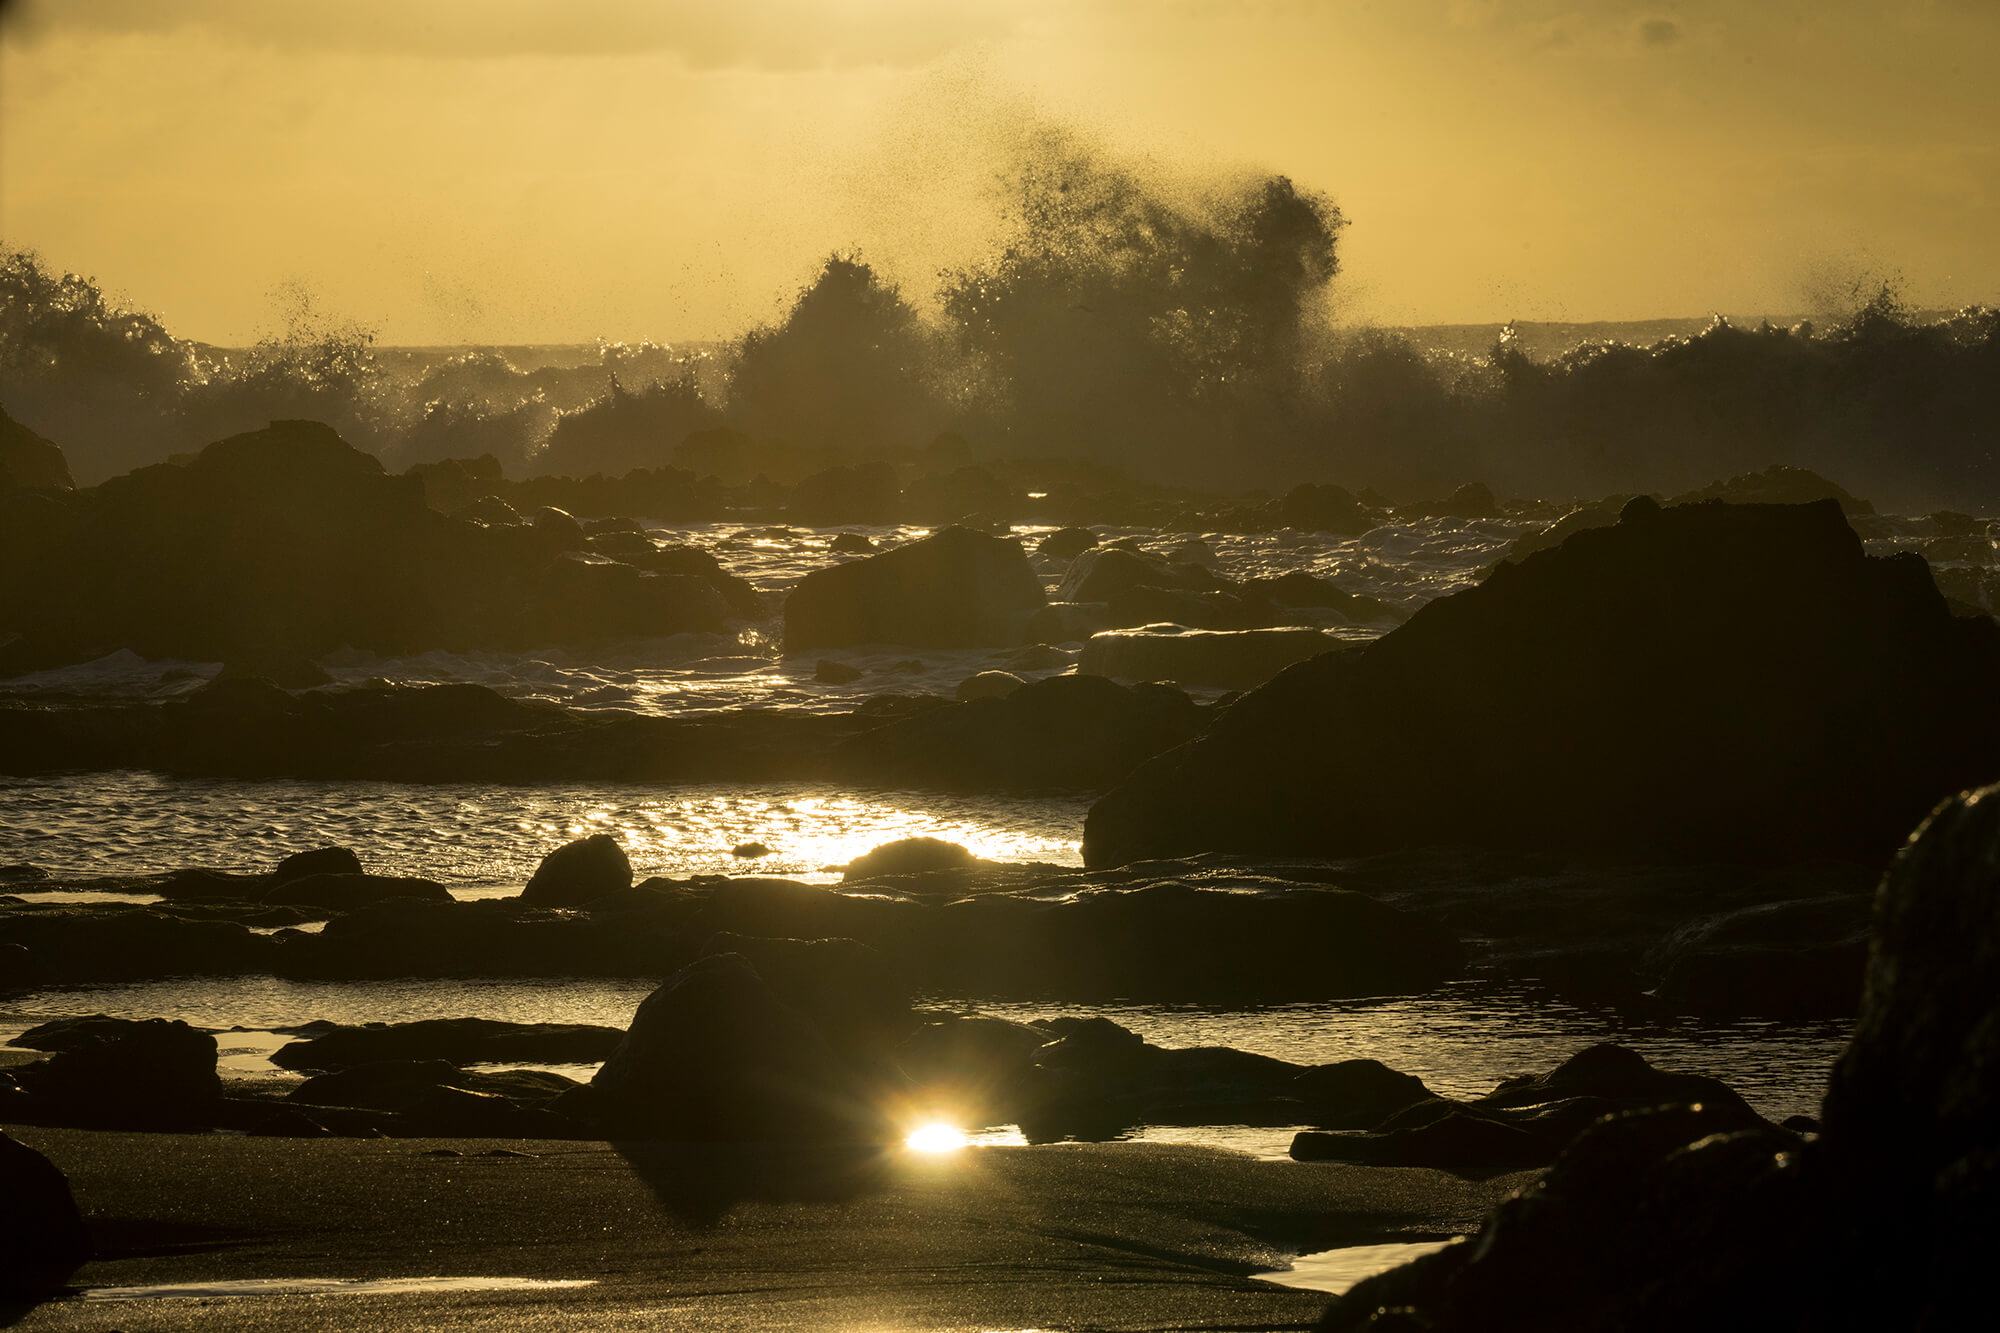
(515, 170)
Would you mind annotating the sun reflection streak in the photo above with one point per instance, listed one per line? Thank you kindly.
(935, 1137)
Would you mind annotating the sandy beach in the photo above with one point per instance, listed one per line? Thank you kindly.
(1104, 1236)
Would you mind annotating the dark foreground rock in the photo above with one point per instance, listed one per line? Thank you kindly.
(1530, 1120)
(579, 872)
(715, 1055)
(42, 1236)
(1712, 681)
(954, 589)
(1886, 1220)
(118, 1073)
(460, 1041)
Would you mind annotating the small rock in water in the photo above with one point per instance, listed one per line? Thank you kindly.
(907, 856)
(579, 872)
(852, 543)
(750, 850)
(909, 666)
(830, 672)
(988, 685)
(318, 861)
(1066, 543)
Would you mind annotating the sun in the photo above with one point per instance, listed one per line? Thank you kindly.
(935, 1137)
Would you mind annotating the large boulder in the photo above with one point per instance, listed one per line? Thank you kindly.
(26, 459)
(954, 589)
(1720, 682)
(154, 1073)
(715, 1055)
(1890, 1218)
(579, 872)
(42, 1235)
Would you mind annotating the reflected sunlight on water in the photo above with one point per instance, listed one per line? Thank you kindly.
(479, 838)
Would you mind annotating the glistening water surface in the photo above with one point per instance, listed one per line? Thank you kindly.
(480, 838)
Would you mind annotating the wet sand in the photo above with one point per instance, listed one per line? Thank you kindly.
(1101, 1236)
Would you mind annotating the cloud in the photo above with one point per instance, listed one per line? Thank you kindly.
(1659, 32)
(705, 34)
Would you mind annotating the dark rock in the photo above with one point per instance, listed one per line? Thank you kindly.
(954, 589)
(1633, 691)
(210, 886)
(830, 672)
(851, 543)
(714, 1055)
(908, 856)
(26, 459)
(1110, 573)
(1062, 731)
(750, 851)
(1312, 508)
(1778, 485)
(489, 509)
(868, 493)
(558, 530)
(853, 994)
(1356, 1094)
(42, 1234)
(1066, 543)
(988, 685)
(1231, 659)
(1801, 959)
(1472, 500)
(460, 1041)
(123, 1073)
(343, 893)
(577, 872)
(318, 861)
(1298, 589)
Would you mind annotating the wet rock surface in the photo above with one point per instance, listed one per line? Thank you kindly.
(954, 589)
(42, 1234)
(1635, 691)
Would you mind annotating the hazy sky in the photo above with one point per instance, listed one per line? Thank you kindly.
(508, 170)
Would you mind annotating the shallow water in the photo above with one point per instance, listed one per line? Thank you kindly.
(484, 839)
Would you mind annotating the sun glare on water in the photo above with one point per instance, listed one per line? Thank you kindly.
(935, 1137)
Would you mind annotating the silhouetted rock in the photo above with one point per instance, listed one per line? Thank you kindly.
(1658, 1219)
(1637, 690)
(1779, 484)
(830, 672)
(714, 1055)
(987, 685)
(318, 861)
(122, 1073)
(851, 991)
(343, 893)
(953, 589)
(461, 1041)
(42, 1235)
(1312, 508)
(851, 543)
(868, 493)
(26, 459)
(1062, 731)
(947, 497)
(578, 872)
(1109, 573)
(907, 856)
(1232, 659)
(1472, 500)
(1066, 543)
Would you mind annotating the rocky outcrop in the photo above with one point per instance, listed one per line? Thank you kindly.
(1721, 682)
(42, 1235)
(1886, 1219)
(26, 459)
(954, 589)
(286, 542)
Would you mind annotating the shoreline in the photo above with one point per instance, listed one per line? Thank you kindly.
(1113, 1236)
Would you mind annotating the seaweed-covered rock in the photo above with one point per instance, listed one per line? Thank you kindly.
(1718, 682)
